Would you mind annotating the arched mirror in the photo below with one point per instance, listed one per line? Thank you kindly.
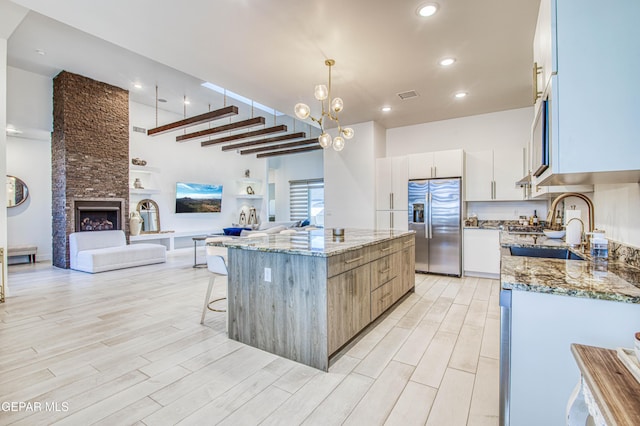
(150, 215)
(17, 191)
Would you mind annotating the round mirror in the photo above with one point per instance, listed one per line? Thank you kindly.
(17, 191)
(150, 215)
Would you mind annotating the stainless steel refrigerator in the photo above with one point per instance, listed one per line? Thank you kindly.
(435, 207)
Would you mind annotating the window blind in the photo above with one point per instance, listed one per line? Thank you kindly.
(299, 197)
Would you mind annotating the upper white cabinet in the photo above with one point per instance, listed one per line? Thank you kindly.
(438, 164)
(491, 175)
(544, 64)
(392, 183)
(594, 102)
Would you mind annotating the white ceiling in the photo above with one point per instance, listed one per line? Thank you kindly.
(274, 51)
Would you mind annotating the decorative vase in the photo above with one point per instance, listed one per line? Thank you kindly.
(243, 218)
(253, 217)
(137, 184)
(135, 223)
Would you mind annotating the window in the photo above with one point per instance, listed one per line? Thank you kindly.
(306, 200)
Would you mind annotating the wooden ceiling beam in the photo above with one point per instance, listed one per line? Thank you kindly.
(263, 141)
(256, 121)
(288, 151)
(279, 146)
(192, 121)
(275, 129)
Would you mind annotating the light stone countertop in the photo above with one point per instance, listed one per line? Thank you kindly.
(612, 280)
(318, 242)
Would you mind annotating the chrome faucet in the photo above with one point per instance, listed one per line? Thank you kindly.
(551, 215)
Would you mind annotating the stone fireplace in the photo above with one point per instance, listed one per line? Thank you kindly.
(90, 159)
(98, 215)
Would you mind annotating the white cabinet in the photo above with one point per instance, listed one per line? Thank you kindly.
(392, 193)
(544, 64)
(481, 251)
(594, 126)
(491, 175)
(392, 219)
(392, 183)
(438, 164)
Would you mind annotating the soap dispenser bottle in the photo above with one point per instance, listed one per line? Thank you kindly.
(599, 245)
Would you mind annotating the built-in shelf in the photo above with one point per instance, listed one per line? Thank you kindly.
(143, 169)
(147, 176)
(143, 191)
(248, 196)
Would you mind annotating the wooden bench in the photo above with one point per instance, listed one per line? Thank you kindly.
(23, 251)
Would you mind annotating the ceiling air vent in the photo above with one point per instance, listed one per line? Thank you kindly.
(139, 130)
(408, 94)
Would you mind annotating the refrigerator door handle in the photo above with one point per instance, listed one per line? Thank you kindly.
(428, 230)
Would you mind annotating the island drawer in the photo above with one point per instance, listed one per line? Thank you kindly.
(384, 249)
(382, 298)
(384, 269)
(346, 261)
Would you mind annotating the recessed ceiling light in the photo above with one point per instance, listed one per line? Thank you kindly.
(461, 95)
(427, 9)
(137, 86)
(445, 62)
(386, 109)
(186, 102)
(163, 100)
(41, 52)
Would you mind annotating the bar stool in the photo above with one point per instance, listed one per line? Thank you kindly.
(217, 266)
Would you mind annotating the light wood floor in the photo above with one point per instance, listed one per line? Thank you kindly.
(126, 347)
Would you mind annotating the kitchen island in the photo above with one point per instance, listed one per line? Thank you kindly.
(546, 305)
(304, 296)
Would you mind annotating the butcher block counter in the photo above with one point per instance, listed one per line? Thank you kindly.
(304, 296)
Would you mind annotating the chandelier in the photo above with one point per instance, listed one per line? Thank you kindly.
(335, 105)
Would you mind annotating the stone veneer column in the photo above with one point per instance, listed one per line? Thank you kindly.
(89, 151)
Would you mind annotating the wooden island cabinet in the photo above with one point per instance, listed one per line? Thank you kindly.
(304, 296)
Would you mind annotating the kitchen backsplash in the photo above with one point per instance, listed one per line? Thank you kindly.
(624, 253)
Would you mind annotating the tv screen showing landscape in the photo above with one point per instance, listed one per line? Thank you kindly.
(198, 198)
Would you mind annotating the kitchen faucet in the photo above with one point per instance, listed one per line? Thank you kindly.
(551, 215)
(583, 239)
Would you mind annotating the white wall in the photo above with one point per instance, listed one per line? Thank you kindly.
(307, 165)
(3, 146)
(189, 162)
(30, 222)
(349, 179)
(504, 129)
(498, 130)
(30, 109)
(617, 212)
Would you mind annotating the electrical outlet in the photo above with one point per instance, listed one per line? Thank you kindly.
(267, 274)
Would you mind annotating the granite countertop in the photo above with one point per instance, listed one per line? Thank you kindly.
(612, 280)
(319, 242)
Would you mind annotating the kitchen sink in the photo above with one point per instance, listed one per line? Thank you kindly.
(549, 253)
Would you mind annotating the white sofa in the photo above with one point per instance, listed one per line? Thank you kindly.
(99, 251)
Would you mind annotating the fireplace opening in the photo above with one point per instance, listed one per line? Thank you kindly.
(97, 215)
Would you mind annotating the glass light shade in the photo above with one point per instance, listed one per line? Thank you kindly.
(337, 104)
(302, 111)
(325, 140)
(348, 132)
(321, 92)
(338, 143)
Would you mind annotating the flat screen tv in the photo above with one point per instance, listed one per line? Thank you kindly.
(198, 198)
